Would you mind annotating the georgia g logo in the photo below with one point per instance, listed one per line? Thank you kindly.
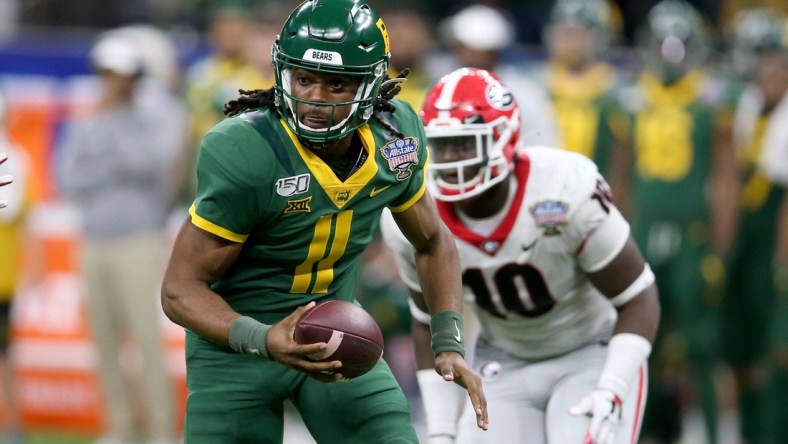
(499, 96)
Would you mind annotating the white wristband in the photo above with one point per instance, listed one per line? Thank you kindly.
(443, 402)
(626, 353)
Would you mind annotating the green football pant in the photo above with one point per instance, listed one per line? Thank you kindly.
(239, 398)
(689, 325)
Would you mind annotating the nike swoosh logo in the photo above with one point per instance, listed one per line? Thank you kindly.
(458, 336)
(531, 245)
(376, 191)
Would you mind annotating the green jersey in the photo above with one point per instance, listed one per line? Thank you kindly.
(586, 111)
(673, 142)
(303, 228)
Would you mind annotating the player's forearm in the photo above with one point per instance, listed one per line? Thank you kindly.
(781, 255)
(438, 270)
(422, 338)
(193, 305)
(725, 184)
(641, 315)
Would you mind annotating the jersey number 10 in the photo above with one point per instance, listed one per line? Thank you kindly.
(537, 302)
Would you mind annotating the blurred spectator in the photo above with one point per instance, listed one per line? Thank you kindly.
(478, 35)
(115, 167)
(232, 64)
(160, 87)
(758, 53)
(11, 237)
(730, 8)
(582, 87)
(159, 56)
(265, 27)
(412, 42)
(9, 18)
(683, 175)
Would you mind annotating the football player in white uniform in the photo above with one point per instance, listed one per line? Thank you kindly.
(567, 307)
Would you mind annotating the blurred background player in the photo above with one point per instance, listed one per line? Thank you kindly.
(582, 87)
(239, 58)
(16, 201)
(683, 173)
(758, 55)
(547, 264)
(779, 378)
(412, 34)
(480, 36)
(116, 167)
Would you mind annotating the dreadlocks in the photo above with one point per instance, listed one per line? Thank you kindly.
(251, 99)
(388, 89)
(264, 98)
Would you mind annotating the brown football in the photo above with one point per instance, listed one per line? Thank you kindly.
(351, 333)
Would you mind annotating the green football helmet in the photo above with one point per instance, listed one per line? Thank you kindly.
(674, 39)
(594, 14)
(593, 17)
(753, 32)
(344, 37)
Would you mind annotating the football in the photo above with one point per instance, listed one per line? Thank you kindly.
(351, 333)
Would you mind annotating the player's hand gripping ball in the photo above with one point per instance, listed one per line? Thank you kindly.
(351, 333)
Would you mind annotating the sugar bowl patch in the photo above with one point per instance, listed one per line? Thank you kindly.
(401, 155)
(550, 215)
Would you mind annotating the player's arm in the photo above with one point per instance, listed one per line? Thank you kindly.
(599, 236)
(725, 183)
(438, 268)
(782, 233)
(629, 283)
(198, 259)
(442, 402)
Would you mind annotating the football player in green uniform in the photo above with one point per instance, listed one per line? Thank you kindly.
(759, 55)
(779, 380)
(580, 84)
(290, 192)
(683, 174)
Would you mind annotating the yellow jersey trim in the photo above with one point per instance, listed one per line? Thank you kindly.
(682, 93)
(412, 200)
(339, 192)
(212, 228)
(585, 87)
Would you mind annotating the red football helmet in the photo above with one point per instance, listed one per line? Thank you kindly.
(472, 123)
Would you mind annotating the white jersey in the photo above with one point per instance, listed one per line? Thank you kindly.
(527, 279)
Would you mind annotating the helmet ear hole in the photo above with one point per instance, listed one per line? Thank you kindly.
(474, 104)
